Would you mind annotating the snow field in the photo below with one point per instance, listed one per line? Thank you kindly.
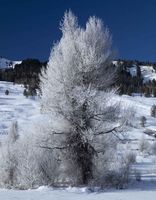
(17, 107)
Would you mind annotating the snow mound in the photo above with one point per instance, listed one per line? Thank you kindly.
(44, 188)
(77, 190)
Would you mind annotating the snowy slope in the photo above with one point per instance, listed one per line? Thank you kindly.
(15, 107)
(145, 161)
(5, 63)
(24, 110)
(147, 72)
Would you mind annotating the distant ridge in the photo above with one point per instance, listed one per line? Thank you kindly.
(5, 63)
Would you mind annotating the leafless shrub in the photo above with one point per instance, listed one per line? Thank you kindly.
(153, 111)
(143, 121)
(138, 176)
(131, 157)
(144, 145)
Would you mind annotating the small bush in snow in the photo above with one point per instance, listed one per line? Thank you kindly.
(6, 92)
(23, 163)
(25, 93)
(144, 145)
(153, 111)
(138, 176)
(143, 121)
(117, 179)
(8, 159)
(131, 157)
(118, 173)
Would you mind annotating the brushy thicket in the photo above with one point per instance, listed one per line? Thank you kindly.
(24, 163)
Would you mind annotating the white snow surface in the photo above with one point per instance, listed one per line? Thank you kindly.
(45, 193)
(147, 72)
(16, 107)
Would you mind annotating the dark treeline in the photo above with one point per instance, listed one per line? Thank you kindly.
(28, 71)
(129, 84)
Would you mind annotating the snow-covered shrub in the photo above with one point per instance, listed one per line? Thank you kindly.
(8, 158)
(117, 174)
(28, 171)
(13, 133)
(24, 162)
(37, 165)
(144, 145)
(8, 166)
(130, 157)
(129, 115)
(153, 148)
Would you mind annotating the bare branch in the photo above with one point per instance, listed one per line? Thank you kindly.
(106, 132)
(59, 133)
(52, 148)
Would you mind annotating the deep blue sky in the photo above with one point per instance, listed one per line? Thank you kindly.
(28, 28)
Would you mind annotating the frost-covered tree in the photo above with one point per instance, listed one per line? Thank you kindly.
(143, 145)
(76, 90)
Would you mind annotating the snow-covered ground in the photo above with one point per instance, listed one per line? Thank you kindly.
(148, 72)
(76, 194)
(136, 135)
(16, 107)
